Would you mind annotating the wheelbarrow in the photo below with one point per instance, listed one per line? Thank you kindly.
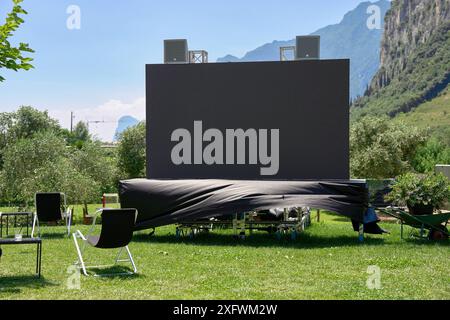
(435, 224)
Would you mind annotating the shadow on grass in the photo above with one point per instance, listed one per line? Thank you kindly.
(114, 272)
(15, 284)
(303, 241)
(427, 242)
(53, 235)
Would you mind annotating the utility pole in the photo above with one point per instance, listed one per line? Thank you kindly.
(71, 121)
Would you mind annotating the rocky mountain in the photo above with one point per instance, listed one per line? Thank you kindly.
(351, 38)
(415, 59)
(124, 123)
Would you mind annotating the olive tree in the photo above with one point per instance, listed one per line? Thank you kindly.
(22, 124)
(44, 163)
(380, 148)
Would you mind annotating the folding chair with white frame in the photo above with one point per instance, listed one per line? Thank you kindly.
(116, 233)
(50, 208)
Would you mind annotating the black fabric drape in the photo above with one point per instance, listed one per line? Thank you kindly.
(164, 202)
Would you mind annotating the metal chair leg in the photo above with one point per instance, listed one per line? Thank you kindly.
(79, 252)
(69, 222)
(131, 259)
(118, 256)
(35, 223)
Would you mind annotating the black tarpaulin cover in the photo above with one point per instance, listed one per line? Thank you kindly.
(164, 202)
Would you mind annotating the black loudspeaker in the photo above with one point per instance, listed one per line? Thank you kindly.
(307, 48)
(176, 51)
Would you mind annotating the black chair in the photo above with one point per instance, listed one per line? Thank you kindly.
(51, 207)
(117, 232)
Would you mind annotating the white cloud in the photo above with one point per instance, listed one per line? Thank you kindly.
(108, 113)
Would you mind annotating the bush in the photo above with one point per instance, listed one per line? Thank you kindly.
(420, 189)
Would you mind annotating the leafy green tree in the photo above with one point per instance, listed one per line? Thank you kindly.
(93, 161)
(33, 164)
(131, 152)
(36, 157)
(22, 124)
(81, 132)
(380, 149)
(79, 136)
(6, 122)
(44, 163)
(428, 156)
(27, 121)
(12, 57)
(96, 173)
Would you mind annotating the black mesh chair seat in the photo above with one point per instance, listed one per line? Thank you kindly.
(51, 207)
(117, 232)
(48, 206)
(117, 228)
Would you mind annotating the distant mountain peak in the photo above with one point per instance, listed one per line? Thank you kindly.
(228, 58)
(124, 123)
(350, 38)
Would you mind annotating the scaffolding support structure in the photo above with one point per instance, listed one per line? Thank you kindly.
(198, 56)
(287, 53)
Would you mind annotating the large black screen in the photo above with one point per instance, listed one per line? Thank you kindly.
(262, 120)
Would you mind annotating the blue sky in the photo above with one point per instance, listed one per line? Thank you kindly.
(98, 71)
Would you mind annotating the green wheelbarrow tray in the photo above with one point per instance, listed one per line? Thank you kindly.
(436, 222)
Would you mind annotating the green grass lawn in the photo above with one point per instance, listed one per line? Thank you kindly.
(325, 262)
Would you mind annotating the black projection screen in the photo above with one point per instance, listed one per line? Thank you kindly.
(195, 111)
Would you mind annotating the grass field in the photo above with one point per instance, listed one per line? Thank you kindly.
(325, 262)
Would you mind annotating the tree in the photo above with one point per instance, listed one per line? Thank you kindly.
(22, 124)
(11, 57)
(27, 121)
(132, 152)
(93, 161)
(6, 122)
(428, 156)
(44, 163)
(93, 164)
(37, 158)
(382, 149)
(34, 164)
(79, 136)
